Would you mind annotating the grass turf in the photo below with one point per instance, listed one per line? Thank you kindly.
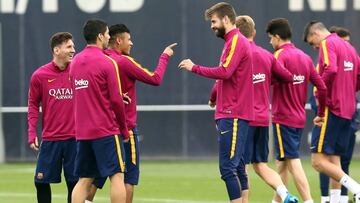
(161, 182)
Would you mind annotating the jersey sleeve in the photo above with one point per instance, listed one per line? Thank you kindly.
(234, 53)
(317, 81)
(34, 100)
(137, 72)
(116, 98)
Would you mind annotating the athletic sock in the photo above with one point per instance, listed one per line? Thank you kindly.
(309, 201)
(325, 199)
(70, 186)
(335, 195)
(344, 199)
(282, 191)
(87, 201)
(350, 184)
(43, 192)
(273, 201)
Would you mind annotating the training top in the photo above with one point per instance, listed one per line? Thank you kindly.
(288, 101)
(51, 87)
(338, 67)
(234, 98)
(130, 71)
(98, 101)
(266, 70)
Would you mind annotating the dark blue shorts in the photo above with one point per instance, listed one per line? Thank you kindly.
(232, 137)
(333, 137)
(132, 162)
(53, 156)
(287, 141)
(257, 145)
(101, 157)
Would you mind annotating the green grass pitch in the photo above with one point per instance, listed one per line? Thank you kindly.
(161, 182)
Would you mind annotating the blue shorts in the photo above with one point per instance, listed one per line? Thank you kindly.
(232, 137)
(257, 145)
(287, 141)
(132, 162)
(101, 157)
(333, 137)
(53, 156)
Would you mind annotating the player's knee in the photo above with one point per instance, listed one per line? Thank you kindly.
(227, 174)
(257, 168)
(316, 163)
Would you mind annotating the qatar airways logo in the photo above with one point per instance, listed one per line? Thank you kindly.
(61, 93)
(348, 66)
(81, 84)
(259, 77)
(298, 79)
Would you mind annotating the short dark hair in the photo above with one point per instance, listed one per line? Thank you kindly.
(116, 30)
(59, 38)
(92, 29)
(221, 9)
(279, 26)
(340, 31)
(310, 27)
(246, 25)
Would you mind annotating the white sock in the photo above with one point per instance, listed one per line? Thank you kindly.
(282, 191)
(335, 195)
(344, 199)
(273, 201)
(87, 201)
(325, 199)
(309, 201)
(350, 184)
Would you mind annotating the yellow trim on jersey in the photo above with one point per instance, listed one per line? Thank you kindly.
(133, 149)
(281, 147)
(323, 130)
(117, 72)
(325, 52)
(277, 53)
(317, 68)
(139, 66)
(232, 50)
(233, 142)
(122, 166)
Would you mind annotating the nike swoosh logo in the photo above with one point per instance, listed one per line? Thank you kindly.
(223, 132)
(51, 80)
(312, 147)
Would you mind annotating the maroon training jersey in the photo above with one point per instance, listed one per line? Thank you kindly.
(99, 106)
(338, 67)
(50, 87)
(234, 78)
(131, 71)
(288, 101)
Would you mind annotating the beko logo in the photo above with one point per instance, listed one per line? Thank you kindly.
(298, 79)
(321, 5)
(259, 77)
(81, 84)
(348, 66)
(87, 6)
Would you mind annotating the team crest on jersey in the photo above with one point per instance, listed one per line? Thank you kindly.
(40, 176)
(61, 93)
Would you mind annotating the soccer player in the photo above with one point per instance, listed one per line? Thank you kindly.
(120, 45)
(99, 115)
(288, 104)
(266, 70)
(338, 66)
(234, 100)
(50, 86)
